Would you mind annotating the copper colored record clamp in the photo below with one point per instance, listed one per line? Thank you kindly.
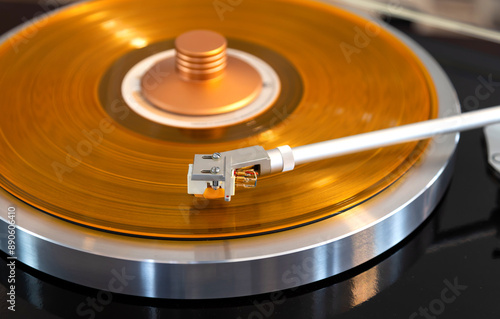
(202, 79)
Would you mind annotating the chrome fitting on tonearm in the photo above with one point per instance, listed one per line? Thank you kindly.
(217, 175)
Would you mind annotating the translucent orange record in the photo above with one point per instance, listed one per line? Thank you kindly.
(70, 146)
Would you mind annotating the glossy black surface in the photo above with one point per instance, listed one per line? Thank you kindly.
(457, 247)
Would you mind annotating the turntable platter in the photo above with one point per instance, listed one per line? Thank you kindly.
(94, 182)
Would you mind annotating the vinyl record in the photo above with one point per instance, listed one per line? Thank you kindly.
(71, 146)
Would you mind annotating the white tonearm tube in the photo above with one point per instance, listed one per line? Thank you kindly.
(218, 174)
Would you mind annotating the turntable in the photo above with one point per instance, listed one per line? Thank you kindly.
(104, 110)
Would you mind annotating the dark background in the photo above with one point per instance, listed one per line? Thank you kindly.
(459, 243)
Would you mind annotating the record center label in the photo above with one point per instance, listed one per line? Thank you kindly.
(131, 92)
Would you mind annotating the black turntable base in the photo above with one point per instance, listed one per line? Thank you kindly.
(448, 268)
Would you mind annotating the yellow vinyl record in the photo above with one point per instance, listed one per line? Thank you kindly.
(73, 148)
